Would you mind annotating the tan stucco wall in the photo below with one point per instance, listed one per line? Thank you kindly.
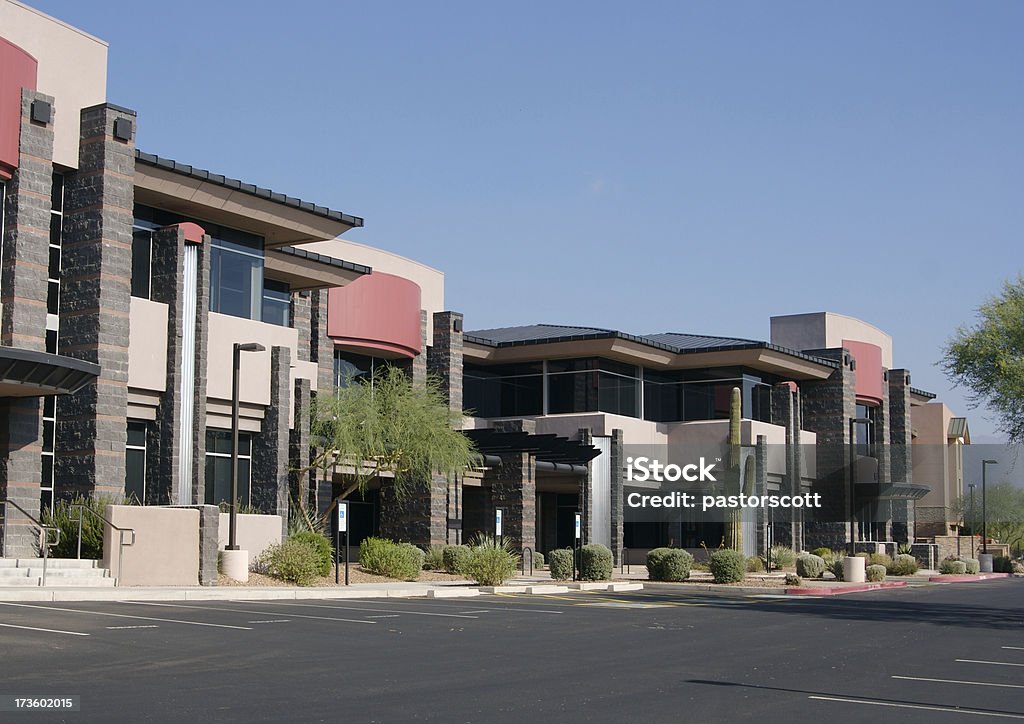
(166, 549)
(147, 345)
(255, 532)
(72, 69)
(429, 280)
(824, 330)
(930, 455)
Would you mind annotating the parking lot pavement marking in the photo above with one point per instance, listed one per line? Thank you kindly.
(242, 610)
(272, 620)
(993, 663)
(45, 630)
(118, 628)
(485, 610)
(633, 604)
(385, 615)
(1015, 648)
(369, 610)
(926, 707)
(124, 615)
(957, 681)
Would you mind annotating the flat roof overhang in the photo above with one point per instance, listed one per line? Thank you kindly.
(279, 219)
(552, 452)
(758, 357)
(29, 373)
(303, 270)
(892, 491)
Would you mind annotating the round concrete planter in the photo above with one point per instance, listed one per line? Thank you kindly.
(853, 570)
(985, 563)
(235, 564)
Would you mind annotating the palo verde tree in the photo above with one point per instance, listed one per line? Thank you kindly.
(387, 428)
(988, 358)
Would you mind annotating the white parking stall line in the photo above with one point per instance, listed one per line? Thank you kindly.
(367, 610)
(124, 615)
(45, 630)
(385, 615)
(1014, 648)
(120, 628)
(242, 610)
(925, 707)
(958, 681)
(485, 610)
(272, 620)
(993, 663)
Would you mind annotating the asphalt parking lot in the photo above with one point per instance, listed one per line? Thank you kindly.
(938, 653)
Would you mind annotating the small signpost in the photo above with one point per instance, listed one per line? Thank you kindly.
(342, 528)
(498, 513)
(577, 544)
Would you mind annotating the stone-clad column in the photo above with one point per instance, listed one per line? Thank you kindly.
(23, 295)
(618, 466)
(514, 489)
(419, 362)
(179, 251)
(321, 346)
(269, 489)
(419, 517)
(95, 301)
(444, 359)
(298, 444)
(900, 451)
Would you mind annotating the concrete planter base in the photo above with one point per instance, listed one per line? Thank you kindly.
(985, 563)
(854, 570)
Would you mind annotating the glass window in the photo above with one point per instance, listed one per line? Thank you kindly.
(591, 385)
(142, 258)
(350, 368)
(135, 462)
(864, 432)
(277, 303)
(218, 467)
(504, 390)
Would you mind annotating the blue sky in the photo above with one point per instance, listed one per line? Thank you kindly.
(690, 167)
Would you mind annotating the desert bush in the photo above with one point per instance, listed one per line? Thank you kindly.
(394, 560)
(879, 559)
(903, 564)
(60, 516)
(837, 568)
(595, 562)
(669, 564)
(953, 567)
(823, 552)
(755, 564)
(294, 561)
(433, 558)
(453, 557)
(728, 566)
(560, 564)
(972, 565)
(538, 560)
(875, 573)
(321, 547)
(1002, 564)
(809, 565)
(491, 563)
(782, 556)
(793, 579)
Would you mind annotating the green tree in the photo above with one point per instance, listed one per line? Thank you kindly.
(988, 358)
(388, 428)
(1003, 514)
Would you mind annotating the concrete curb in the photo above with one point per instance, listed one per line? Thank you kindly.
(968, 578)
(836, 591)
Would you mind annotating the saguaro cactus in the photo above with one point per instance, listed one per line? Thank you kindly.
(733, 478)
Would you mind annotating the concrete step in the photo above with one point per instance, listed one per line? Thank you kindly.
(54, 563)
(6, 573)
(68, 572)
(62, 582)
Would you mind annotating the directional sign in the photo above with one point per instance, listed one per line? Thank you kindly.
(342, 516)
(579, 526)
(497, 522)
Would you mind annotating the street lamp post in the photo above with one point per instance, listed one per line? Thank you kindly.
(984, 511)
(973, 519)
(237, 350)
(854, 421)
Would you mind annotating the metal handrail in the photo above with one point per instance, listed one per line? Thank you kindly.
(120, 531)
(44, 535)
(523, 560)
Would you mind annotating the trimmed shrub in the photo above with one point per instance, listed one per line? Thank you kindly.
(865, 556)
(880, 559)
(952, 567)
(433, 558)
(595, 562)
(453, 557)
(294, 561)
(837, 568)
(755, 564)
(875, 573)
(538, 560)
(794, 580)
(490, 563)
(669, 564)
(823, 552)
(560, 564)
(809, 565)
(727, 566)
(903, 565)
(1002, 564)
(972, 565)
(321, 547)
(834, 556)
(394, 560)
(783, 556)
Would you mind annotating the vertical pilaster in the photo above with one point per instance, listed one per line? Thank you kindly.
(617, 484)
(321, 346)
(419, 362)
(900, 452)
(444, 359)
(419, 516)
(514, 489)
(23, 296)
(298, 444)
(270, 448)
(95, 302)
